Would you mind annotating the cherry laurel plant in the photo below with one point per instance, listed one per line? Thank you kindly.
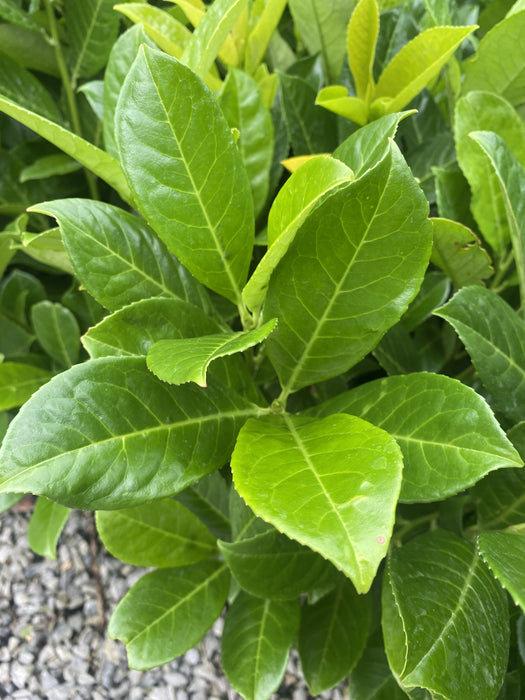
(298, 397)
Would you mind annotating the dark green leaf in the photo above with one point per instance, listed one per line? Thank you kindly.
(372, 678)
(21, 86)
(48, 166)
(46, 523)
(500, 498)
(504, 553)
(57, 332)
(458, 252)
(208, 500)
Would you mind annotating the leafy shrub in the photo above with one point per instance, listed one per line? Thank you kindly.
(300, 394)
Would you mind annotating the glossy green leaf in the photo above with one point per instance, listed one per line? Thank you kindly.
(121, 58)
(167, 32)
(46, 247)
(322, 26)
(117, 257)
(504, 553)
(187, 359)
(57, 332)
(21, 86)
(98, 161)
(494, 335)
(47, 522)
(498, 65)
(108, 434)
(484, 111)
(162, 534)
(176, 174)
(92, 29)
(330, 484)
(511, 178)
(372, 678)
(208, 499)
(48, 166)
(435, 420)
(438, 598)
(336, 99)
(458, 252)
(168, 611)
(333, 310)
(361, 40)
(256, 642)
(261, 35)
(242, 103)
(414, 67)
(304, 190)
(500, 498)
(332, 636)
(18, 381)
(270, 565)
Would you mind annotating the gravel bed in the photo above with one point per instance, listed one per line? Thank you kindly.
(53, 641)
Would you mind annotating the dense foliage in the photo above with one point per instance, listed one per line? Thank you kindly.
(262, 310)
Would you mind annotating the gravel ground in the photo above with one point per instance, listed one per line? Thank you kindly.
(53, 641)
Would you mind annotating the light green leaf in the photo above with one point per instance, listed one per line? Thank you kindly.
(414, 67)
(435, 420)
(260, 36)
(511, 178)
(98, 161)
(494, 335)
(330, 484)
(167, 32)
(108, 434)
(208, 499)
(46, 247)
(7, 500)
(21, 86)
(92, 28)
(168, 611)
(121, 58)
(305, 189)
(187, 359)
(498, 66)
(57, 331)
(46, 523)
(176, 174)
(18, 381)
(270, 565)
(361, 39)
(28, 48)
(438, 597)
(337, 100)
(458, 252)
(504, 553)
(211, 33)
(484, 111)
(93, 91)
(256, 642)
(333, 310)
(162, 533)
(242, 103)
(332, 636)
(117, 257)
(47, 166)
(322, 27)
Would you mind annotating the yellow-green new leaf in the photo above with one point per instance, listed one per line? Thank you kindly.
(337, 100)
(331, 484)
(260, 35)
(166, 31)
(187, 359)
(363, 30)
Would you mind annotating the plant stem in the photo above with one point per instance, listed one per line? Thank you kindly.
(408, 525)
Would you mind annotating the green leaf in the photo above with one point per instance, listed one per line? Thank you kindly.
(453, 195)
(162, 533)
(322, 27)
(209, 500)
(117, 257)
(177, 174)
(18, 381)
(262, 33)
(498, 66)
(46, 523)
(7, 500)
(414, 67)
(304, 190)
(116, 436)
(494, 335)
(435, 420)
(187, 359)
(511, 178)
(57, 332)
(28, 48)
(211, 33)
(48, 166)
(21, 86)
(438, 597)
(332, 636)
(458, 252)
(256, 642)
(504, 553)
(372, 679)
(242, 103)
(330, 484)
(46, 247)
(270, 565)
(167, 32)
(484, 111)
(98, 161)
(168, 611)
(12, 13)
(336, 99)
(92, 29)
(333, 310)
(500, 498)
(361, 39)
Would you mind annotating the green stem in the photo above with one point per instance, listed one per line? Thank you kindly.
(54, 41)
(408, 525)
